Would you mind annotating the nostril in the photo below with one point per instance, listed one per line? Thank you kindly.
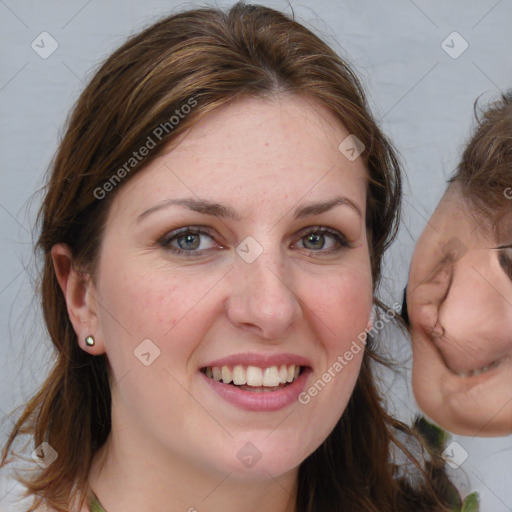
(438, 331)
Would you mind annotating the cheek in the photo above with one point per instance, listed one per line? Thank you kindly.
(140, 305)
(343, 301)
(145, 301)
(477, 316)
(339, 312)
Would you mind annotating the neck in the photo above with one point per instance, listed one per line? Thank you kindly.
(130, 473)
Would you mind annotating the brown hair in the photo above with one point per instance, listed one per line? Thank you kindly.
(485, 170)
(204, 58)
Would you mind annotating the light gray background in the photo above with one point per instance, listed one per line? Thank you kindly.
(423, 97)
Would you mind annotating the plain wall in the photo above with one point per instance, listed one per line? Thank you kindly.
(422, 96)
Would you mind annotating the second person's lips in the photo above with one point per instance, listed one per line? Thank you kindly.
(458, 358)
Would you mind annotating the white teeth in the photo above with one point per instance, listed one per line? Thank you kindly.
(474, 373)
(239, 376)
(254, 376)
(226, 375)
(271, 377)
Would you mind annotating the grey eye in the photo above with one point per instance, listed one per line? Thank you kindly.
(314, 241)
(190, 241)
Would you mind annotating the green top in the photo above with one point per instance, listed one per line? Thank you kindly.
(94, 504)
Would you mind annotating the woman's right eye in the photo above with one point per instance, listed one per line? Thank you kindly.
(190, 241)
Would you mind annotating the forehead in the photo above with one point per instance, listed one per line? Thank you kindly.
(255, 149)
(457, 217)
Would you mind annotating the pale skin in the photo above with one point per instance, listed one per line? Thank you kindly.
(460, 307)
(174, 442)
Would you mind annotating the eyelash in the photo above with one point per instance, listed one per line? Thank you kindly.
(505, 262)
(167, 239)
(338, 237)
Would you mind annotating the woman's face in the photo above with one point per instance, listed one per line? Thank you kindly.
(460, 308)
(241, 253)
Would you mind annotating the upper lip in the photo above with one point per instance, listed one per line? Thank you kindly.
(260, 360)
(458, 360)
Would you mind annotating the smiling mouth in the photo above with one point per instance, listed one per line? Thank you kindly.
(254, 378)
(466, 373)
(479, 371)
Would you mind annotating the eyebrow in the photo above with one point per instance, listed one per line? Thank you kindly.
(200, 206)
(321, 207)
(227, 212)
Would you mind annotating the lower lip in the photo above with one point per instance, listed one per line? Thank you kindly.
(260, 401)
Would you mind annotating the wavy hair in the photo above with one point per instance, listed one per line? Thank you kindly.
(485, 170)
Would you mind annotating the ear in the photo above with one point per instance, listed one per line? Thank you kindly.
(78, 290)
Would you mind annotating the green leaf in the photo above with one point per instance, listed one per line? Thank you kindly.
(435, 436)
(471, 503)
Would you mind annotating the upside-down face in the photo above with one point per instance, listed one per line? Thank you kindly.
(460, 309)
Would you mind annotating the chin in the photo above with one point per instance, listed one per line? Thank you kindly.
(465, 415)
(260, 469)
(275, 455)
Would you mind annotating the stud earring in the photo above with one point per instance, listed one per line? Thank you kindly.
(89, 341)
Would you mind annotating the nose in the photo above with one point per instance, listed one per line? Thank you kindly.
(262, 300)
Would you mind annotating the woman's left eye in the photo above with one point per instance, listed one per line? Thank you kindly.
(187, 240)
(323, 239)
